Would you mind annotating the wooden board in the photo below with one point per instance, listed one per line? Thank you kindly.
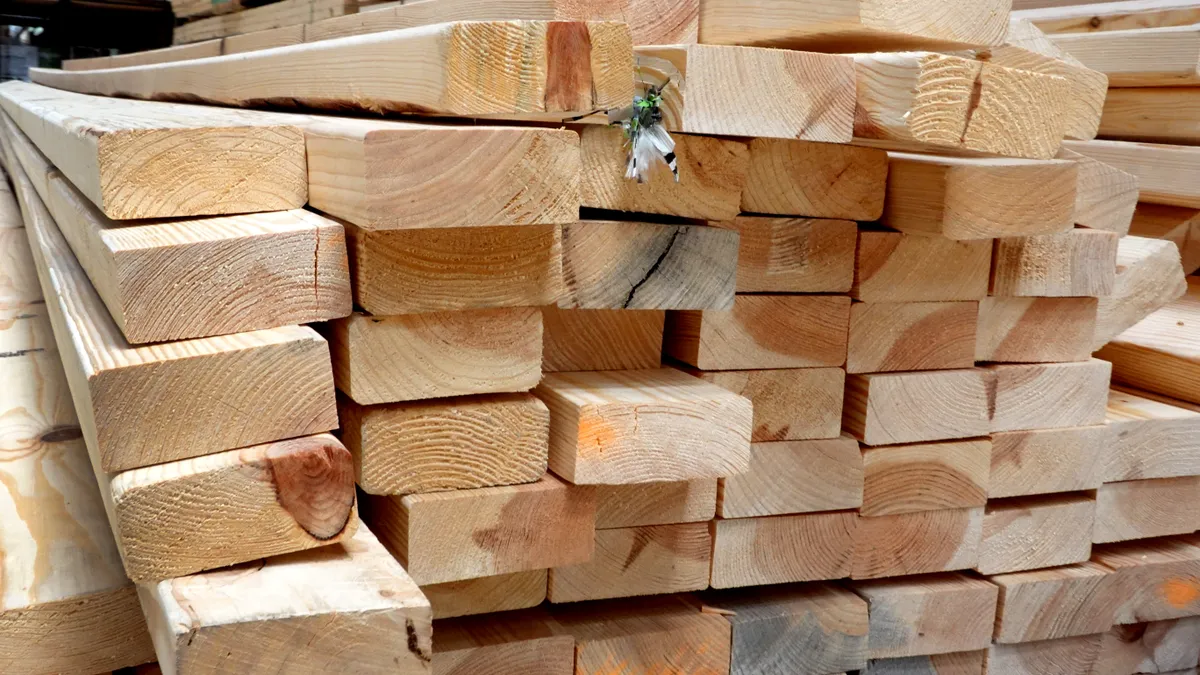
(1046, 461)
(789, 405)
(1148, 277)
(465, 534)
(782, 549)
(1150, 438)
(1105, 196)
(1144, 57)
(1159, 353)
(1054, 603)
(1032, 532)
(420, 356)
(936, 614)
(283, 36)
(484, 595)
(610, 264)
(1180, 225)
(265, 17)
(1154, 115)
(641, 504)
(1048, 395)
(888, 337)
(712, 173)
(897, 267)
(925, 477)
(969, 198)
(446, 444)
(1075, 263)
(818, 180)
(383, 175)
(1166, 174)
(601, 339)
(451, 268)
(632, 561)
(917, 543)
(196, 50)
(522, 642)
(1141, 509)
(294, 613)
(795, 477)
(1156, 647)
(955, 663)
(893, 408)
(1036, 330)
(1060, 17)
(794, 255)
(619, 427)
(762, 331)
(1160, 578)
(1065, 655)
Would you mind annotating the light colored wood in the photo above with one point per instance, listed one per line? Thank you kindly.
(515, 642)
(782, 549)
(265, 17)
(641, 504)
(819, 180)
(795, 477)
(1145, 57)
(601, 339)
(419, 356)
(955, 663)
(1036, 330)
(887, 337)
(1157, 647)
(186, 9)
(1153, 115)
(1065, 655)
(484, 595)
(1046, 461)
(1180, 225)
(762, 331)
(1107, 16)
(1141, 509)
(383, 175)
(849, 23)
(789, 405)
(1148, 277)
(465, 534)
(897, 267)
(163, 160)
(1161, 353)
(664, 22)
(712, 173)
(936, 614)
(1054, 603)
(1150, 438)
(794, 255)
(610, 264)
(446, 444)
(283, 36)
(1034, 532)
(1078, 262)
(893, 408)
(296, 613)
(1048, 395)
(968, 198)
(1105, 196)
(196, 50)
(24, 153)
(805, 629)
(1159, 577)
(917, 543)
(925, 477)
(1166, 174)
(637, 426)
(632, 561)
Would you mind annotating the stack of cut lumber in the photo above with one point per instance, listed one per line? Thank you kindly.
(826, 403)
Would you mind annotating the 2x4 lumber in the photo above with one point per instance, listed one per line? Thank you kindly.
(601, 339)
(1047, 461)
(917, 543)
(1075, 263)
(1036, 330)
(1141, 509)
(283, 36)
(410, 357)
(788, 477)
(660, 503)
(633, 265)
(782, 549)
(1150, 438)
(1048, 395)
(889, 337)
(1161, 353)
(484, 595)
(968, 198)
(1065, 601)
(1033, 532)
(1148, 277)
(1155, 647)
(196, 50)
(762, 332)
(894, 408)
(1153, 115)
(578, 67)
(925, 477)
(954, 663)
(523, 642)
(1064, 655)
(712, 173)
(1159, 578)
(186, 9)
(935, 614)
(1144, 57)
(148, 159)
(383, 175)
(807, 628)
(465, 534)
(898, 267)
(1108, 16)
(847, 24)
(620, 427)
(1180, 225)
(1105, 196)
(793, 404)
(446, 444)
(794, 255)
(632, 561)
(818, 180)
(296, 613)
(1166, 174)
(274, 15)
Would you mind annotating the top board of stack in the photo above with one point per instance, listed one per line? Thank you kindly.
(342, 341)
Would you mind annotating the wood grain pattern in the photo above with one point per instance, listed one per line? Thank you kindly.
(793, 255)
(265, 17)
(1180, 225)
(632, 561)
(641, 504)
(887, 337)
(936, 614)
(1033, 532)
(818, 180)
(1163, 56)
(892, 408)
(954, 663)
(446, 444)
(917, 543)
(1152, 114)
(601, 339)
(1105, 196)
(620, 427)
(505, 643)
(484, 595)
(1166, 174)
(1054, 603)
(420, 356)
(1112, 15)
(1046, 461)
(795, 477)
(897, 267)
(1156, 647)
(283, 36)
(1148, 277)
(1141, 509)
(1065, 655)
(925, 477)
(1159, 353)
(1036, 330)
(1160, 577)
(1048, 395)
(782, 549)
(1078, 262)
(789, 405)
(195, 50)
(1150, 438)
